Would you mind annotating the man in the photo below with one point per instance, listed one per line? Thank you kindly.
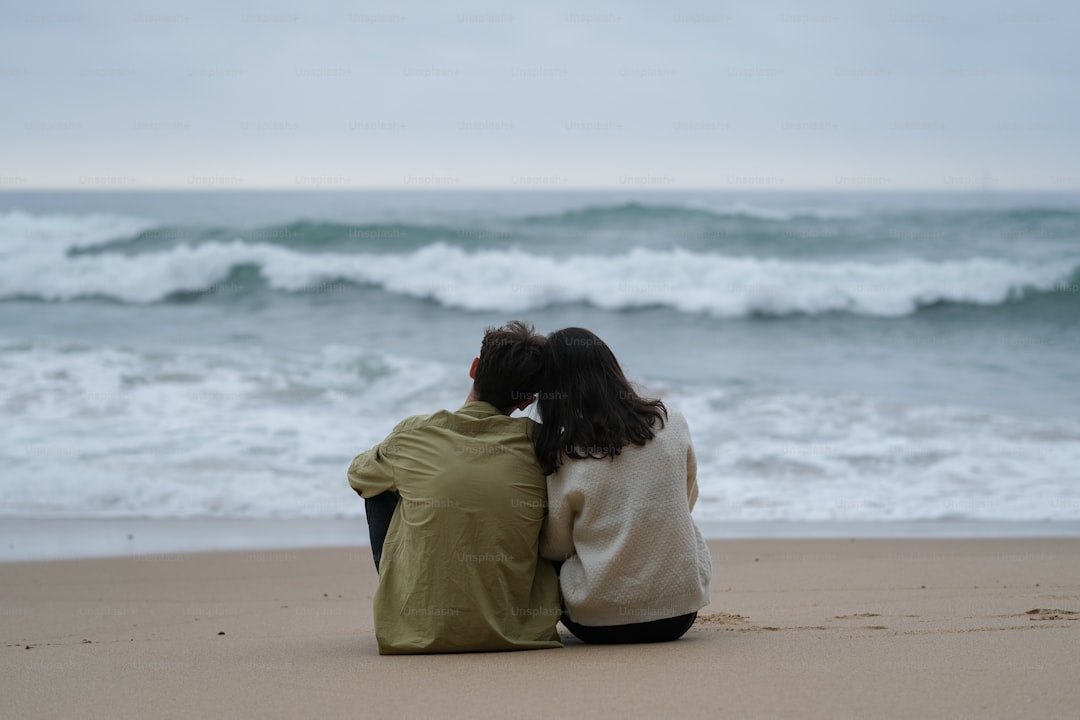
(460, 498)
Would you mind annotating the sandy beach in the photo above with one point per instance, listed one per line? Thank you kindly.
(796, 628)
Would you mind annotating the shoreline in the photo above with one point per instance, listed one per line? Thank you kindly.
(25, 539)
(795, 628)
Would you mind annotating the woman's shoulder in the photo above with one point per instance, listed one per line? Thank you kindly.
(675, 419)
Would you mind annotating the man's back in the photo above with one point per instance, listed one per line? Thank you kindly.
(460, 569)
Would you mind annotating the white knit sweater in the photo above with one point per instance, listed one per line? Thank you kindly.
(633, 553)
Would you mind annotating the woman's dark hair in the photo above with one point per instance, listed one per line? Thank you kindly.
(588, 407)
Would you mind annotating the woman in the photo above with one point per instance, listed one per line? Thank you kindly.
(622, 481)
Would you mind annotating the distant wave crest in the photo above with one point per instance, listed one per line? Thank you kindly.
(637, 212)
(516, 280)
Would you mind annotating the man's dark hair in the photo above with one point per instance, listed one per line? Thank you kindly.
(511, 364)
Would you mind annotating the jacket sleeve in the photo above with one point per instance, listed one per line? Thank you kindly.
(372, 472)
(557, 533)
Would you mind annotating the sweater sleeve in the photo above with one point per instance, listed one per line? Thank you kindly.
(557, 533)
(691, 476)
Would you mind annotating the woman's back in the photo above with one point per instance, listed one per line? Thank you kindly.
(622, 524)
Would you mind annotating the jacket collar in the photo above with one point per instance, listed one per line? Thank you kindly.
(479, 409)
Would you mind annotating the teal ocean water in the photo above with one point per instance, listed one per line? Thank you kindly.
(839, 356)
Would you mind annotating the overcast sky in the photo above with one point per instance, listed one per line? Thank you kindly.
(766, 94)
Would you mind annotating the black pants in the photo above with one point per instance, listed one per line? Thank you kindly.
(653, 631)
(380, 511)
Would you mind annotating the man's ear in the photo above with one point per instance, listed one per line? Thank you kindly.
(472, 370)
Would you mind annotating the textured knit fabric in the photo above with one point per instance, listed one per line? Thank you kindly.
(632, 551)
(460, 568)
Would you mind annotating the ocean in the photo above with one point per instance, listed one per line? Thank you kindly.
(842, 357)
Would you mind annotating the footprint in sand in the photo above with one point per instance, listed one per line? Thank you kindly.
(856, 615)
(719, 619)
(1045, 614)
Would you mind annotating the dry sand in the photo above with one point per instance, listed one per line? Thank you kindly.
(800, 629)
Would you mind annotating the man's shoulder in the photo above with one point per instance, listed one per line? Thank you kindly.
(452, 419)
(411, 423)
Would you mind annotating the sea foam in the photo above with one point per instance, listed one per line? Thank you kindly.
(516, 280)
(107, 431)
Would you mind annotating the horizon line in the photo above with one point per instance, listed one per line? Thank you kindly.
(544, 188)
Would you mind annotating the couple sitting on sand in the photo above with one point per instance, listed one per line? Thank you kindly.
(478, 519)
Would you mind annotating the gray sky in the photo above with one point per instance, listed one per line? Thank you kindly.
(769, 94)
